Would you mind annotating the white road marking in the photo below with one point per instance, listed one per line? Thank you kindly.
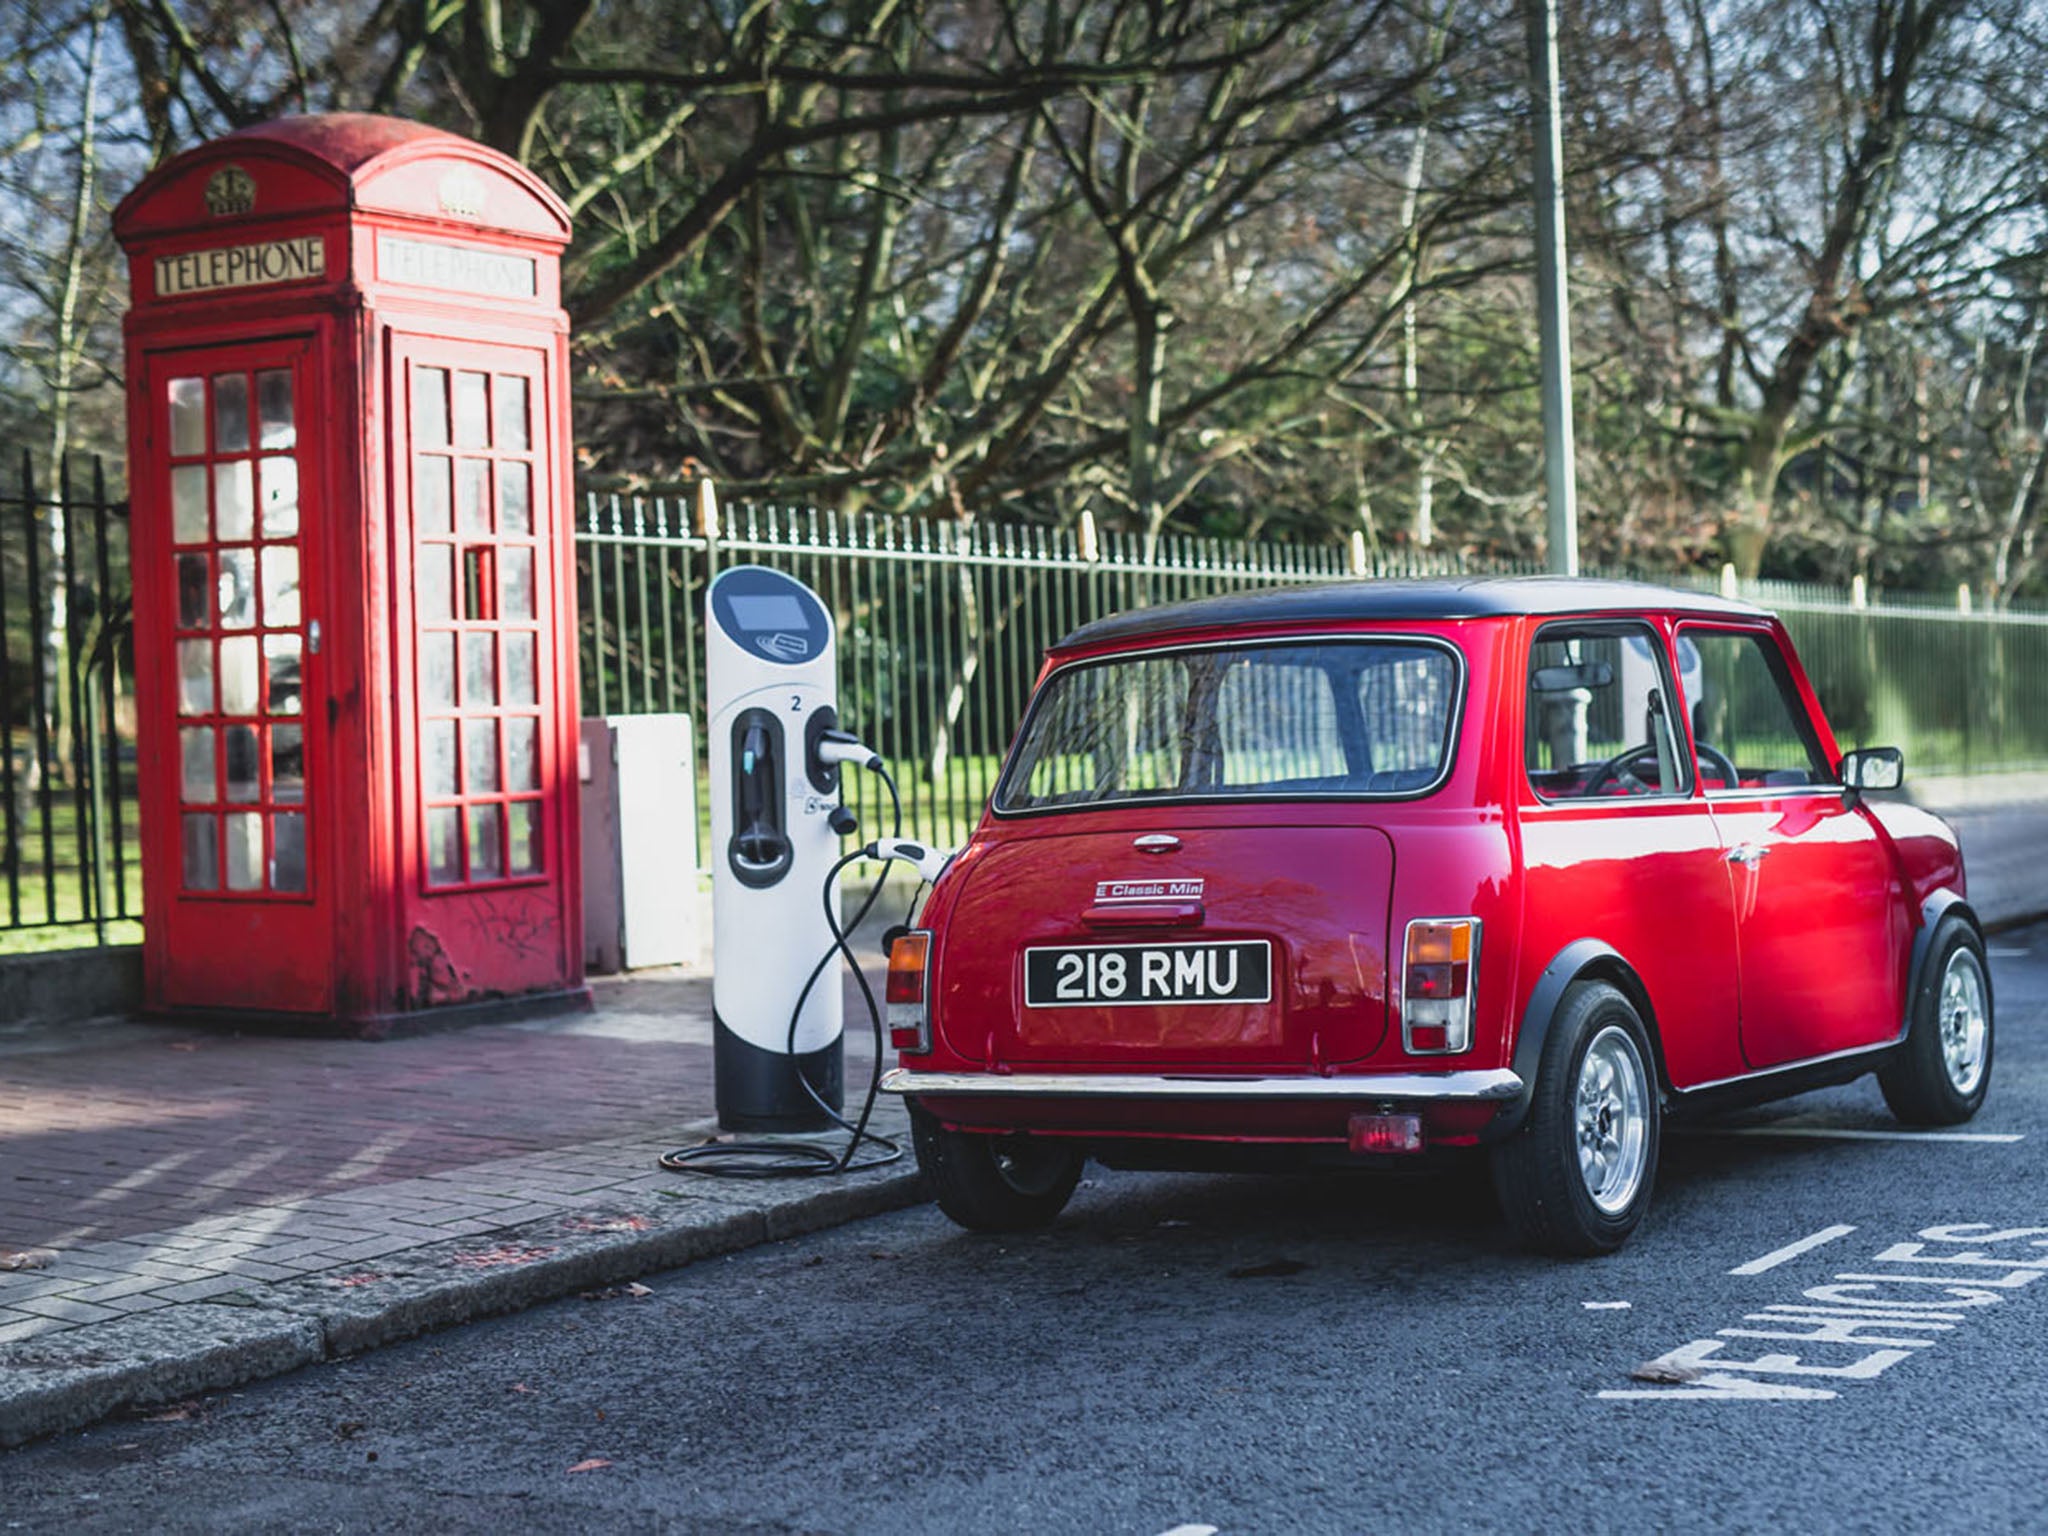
(1842, 1133)
(1191, 1530)
(1791, 1251)
(1605, 1306)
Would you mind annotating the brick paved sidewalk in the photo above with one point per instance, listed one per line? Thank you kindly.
(151, 1170)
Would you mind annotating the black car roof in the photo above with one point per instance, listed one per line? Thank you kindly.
(1457, 597)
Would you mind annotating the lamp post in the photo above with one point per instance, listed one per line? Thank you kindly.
(1553, 304)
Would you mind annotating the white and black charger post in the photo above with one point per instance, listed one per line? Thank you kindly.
(775, 749)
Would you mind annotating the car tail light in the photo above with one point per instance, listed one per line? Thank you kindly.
(1386, 1133)
(1441, 959)
(910, 1019)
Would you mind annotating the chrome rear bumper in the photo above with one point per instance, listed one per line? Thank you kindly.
(1491, 1086)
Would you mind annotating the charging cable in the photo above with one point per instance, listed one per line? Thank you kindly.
(805, 1159)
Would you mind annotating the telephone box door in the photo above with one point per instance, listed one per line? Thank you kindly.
(482, 683)
(240, 866)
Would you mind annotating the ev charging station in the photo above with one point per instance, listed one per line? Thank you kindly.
(771, 681)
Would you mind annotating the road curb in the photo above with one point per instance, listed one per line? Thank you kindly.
(72, 1378)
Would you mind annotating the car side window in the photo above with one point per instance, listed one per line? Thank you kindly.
(1749, 725)
(1599, 721)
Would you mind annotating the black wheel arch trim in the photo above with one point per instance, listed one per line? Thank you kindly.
(1936, 910)
(1568, 966)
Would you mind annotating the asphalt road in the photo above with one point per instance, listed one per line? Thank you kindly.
(1253, 1355)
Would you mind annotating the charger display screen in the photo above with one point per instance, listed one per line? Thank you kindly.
(756, 613)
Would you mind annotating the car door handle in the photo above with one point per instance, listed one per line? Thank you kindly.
(1747, 854)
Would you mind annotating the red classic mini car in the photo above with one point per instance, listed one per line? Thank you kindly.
(1351, 873)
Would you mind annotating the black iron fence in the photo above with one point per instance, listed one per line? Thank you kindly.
(942, 627)
(70, 871)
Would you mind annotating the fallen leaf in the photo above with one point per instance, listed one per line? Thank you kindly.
(883, 1253)
(1273, 1268)
(348, 1429)
(609, 1224)
(173, 1413)
(600, 1415)
(1664, 1375)
(594, 1464)
(27, 1258)
(367, 1277)
(520, 1386)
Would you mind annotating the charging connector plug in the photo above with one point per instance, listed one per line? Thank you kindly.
(836, 747)
(929, 863)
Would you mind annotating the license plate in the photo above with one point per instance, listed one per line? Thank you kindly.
(1112, 975)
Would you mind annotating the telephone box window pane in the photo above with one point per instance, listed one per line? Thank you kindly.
(202, 853)
(480, 754)
(245, 851)
(519, 670)
(512, 428)
(188, 416)
(287, 764)
(193, 581)
(433, 574)
(278, 479)
(195, 750)
(437, 759)
(234, 500)
(431, 499)
(274, 425)
(479, 675)
(280, 586)
(485, 861)
(195, 677)
(230, 413)
(238, 589)
(522, 826)
(245, 774)
(281, 667)
(479, 601)
(522, 753)
(515, 496)
(472, 496)
(444, 846)
(238, 676)
(437, 670)
(472, 417)
(515, 565)
(430, 407)
(188, 504)
(288, 852)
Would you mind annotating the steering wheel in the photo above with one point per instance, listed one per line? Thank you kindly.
(1723, 764)
(1617, 768)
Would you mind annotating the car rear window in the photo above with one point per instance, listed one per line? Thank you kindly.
(1328, 719)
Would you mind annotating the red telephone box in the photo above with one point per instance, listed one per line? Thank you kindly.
(353, 568)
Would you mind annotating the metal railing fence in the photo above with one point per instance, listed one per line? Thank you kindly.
(70, 871)
(942, 628)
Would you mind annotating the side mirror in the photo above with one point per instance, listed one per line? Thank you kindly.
(1873, 768)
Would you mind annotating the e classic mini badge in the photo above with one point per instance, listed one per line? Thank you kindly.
(1148, 890)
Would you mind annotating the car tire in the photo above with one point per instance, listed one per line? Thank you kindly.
(995, 1183)
(1576, 1177)
(1941, 1071)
